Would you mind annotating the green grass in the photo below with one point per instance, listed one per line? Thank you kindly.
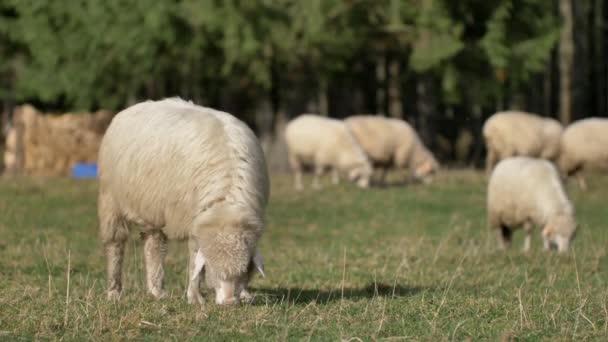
(414, 262)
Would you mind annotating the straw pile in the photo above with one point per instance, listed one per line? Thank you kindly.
(52, 144)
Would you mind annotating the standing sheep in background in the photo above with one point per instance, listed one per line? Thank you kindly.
(392, 143)
(183, 171)
(325, 143)
(512, 133)
(584, 145)
(528, 192)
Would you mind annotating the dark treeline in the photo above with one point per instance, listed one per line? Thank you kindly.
(442, 65)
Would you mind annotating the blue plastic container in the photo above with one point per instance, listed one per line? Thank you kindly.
(84, 170)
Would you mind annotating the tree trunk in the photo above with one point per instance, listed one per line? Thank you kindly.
(6, 108)
(323, 98)
(598, 58)
(548, 89)
(380, 85)
(395, 107)
(425, 108)
(566, 61)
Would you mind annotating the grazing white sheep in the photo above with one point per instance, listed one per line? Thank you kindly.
(528, 192)
(391, 142)
(182, 171)
(584, 144)
(513, 133)
(324, 143)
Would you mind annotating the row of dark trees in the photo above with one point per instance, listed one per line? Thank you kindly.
(443, 65)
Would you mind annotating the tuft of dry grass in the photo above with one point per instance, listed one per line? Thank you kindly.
(391, 263)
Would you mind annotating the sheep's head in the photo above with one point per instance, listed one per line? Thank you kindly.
(361, 174)
(229, 257)
(426, 168)
(559, 232)
(230, 290)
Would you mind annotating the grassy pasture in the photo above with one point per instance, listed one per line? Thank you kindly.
(394, 263)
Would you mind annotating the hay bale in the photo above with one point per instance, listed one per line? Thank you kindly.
(53, 144)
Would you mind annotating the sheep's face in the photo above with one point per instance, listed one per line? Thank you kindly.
(233, 290)
(425, 171)
(559, 233)
(361, 174)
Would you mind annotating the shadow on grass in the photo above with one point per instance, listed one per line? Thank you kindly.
(406, 181)
(295, 295)
(391, 184)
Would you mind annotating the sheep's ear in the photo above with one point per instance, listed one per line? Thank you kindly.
(258, 262)
(199, 263)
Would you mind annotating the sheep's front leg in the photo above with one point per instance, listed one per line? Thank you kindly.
(581, 182)
(195, 266)
(318, 173)
(155, 249)
(335, 176)
(298, 180)
(504, 237)
(382, 171)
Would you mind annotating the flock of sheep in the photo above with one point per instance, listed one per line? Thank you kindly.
(190, 172)
(355, 147)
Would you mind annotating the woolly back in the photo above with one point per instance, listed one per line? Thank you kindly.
(172, 155)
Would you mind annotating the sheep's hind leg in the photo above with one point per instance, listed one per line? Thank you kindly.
(296, 168)
(115, 251)
(155, 249)
(193, 293)
(527, 241)
(114, 234)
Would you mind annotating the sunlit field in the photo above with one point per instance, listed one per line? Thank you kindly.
(396, 262)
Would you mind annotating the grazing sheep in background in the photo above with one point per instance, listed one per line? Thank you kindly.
(584, 144)
(512, 133)
(325, 143)
(183, 171)
(392, 143)
(528, 192)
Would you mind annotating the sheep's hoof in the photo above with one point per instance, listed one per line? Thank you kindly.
(228, 302)
(195, 298)
(113, 295)
(246, 297)
(159, 294)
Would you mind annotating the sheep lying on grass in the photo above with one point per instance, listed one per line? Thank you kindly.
(512, 133)
(392, 143)
(183, 171)
(528, 192)
(584, 145)
(325, 143)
